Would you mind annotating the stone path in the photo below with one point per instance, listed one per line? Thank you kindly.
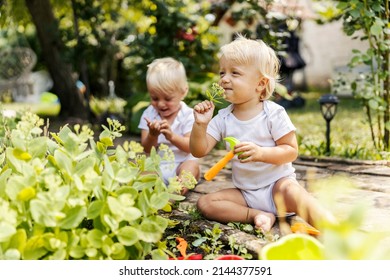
(370, 181)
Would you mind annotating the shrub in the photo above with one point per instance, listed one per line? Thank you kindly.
(66, 196)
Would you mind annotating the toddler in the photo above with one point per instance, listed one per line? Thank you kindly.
(262, 171)
(168, 119)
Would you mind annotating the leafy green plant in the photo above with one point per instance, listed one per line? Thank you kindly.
(248, 228)
(368, 20)
(191, 210)
(100, 106)
(7, 123)
(345, 143)
(215, 93)
(66, 196)
(313, 148)
(238, 249)
(210, 242)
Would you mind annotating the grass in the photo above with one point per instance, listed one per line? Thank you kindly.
(350, 133)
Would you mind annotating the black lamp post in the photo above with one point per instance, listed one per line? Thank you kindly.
(328, 104)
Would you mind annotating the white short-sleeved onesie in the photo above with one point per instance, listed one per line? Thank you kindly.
(181, 125)
(255, 179)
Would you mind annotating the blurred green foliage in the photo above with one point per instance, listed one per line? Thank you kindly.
(367, 20)
(349, 135)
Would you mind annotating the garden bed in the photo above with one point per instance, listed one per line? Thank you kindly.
(210, 238)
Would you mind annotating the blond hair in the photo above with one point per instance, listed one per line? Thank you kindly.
(167, 75)
(247, 51)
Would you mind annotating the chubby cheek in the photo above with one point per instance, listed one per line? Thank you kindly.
(228, 96)
(173, 105)
(158, 105)
(154, 103)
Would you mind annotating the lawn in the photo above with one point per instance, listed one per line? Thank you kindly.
(350, 133)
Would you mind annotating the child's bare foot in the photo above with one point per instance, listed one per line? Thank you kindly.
(264, 221)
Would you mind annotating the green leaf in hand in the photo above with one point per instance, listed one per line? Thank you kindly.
(215, 93)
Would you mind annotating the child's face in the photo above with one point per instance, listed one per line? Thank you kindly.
(242, 83)
(166, 103)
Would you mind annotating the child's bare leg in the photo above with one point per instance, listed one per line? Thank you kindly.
(296, 198)
(193, 167)
(229, 205)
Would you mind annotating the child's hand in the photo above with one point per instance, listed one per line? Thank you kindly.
(248, 152)
(203, 112)
(165, 129)
(154, 127)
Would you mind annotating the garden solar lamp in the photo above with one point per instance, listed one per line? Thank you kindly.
(328, 103)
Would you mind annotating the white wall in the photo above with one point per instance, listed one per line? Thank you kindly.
(325, 47)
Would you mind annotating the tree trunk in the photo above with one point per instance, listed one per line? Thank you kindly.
(49, 37)
(82, 62)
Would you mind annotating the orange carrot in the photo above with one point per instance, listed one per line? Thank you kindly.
(213, 171)
(182, 246)
(304, 228)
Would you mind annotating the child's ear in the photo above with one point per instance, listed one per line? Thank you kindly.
(184, 93)
(263, 82)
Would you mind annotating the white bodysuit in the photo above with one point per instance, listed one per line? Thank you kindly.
(181, 125)
(255, 178)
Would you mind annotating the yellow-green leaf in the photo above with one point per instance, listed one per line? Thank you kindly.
(128, 235)
(73, 217)
(19, 154)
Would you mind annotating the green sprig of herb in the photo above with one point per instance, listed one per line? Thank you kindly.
(215, 93)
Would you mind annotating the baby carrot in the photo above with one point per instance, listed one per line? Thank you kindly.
(213, 171)
(182, 246)
(304, 228)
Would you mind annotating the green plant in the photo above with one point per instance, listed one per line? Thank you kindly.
(66, 196)
(172, 28)
(191, 210)
(215, 93)
(248, 228)
(345, 143)
(368, 20)
(177, 230)
(238, 249)
(210, 242)
(100, 106)
(7, 123)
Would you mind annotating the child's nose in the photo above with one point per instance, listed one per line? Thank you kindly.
(224, 80)
(161, 104)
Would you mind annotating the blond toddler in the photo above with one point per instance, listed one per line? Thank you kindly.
(262, 171)
(168, 120)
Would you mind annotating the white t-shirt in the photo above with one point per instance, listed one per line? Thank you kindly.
(181, 126)
(263, 130)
